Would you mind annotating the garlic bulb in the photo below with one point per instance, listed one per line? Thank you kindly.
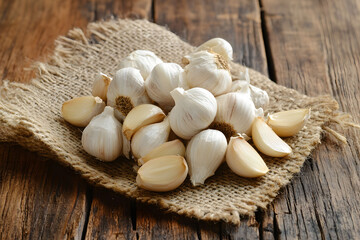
(218, 45)
(175, 147)
(126, 91)
(235, 114)
(162, 80)
(149, 137)
(194, 111)
(288, 123)
(266, 140)
(258, 96)
(162, 174)
(207, 70)
(243, 159)
(126, 146)
(100, 86)
(204, 154)
(80, 110)
(102, 137)
(143, 60)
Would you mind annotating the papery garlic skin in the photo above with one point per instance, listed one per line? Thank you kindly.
(258, 96)
(162, 174)
(163, 79)
(288, 123)
(243, 159)
(126, 91)
(102, 137)
(149, 137)
(266, 140)
(142, 60)
(194, 110)
(100, 86)
(208, 70)
(235, 113)
(218, 45)
(80, 110)
(126, 146)
(175, 147)
(204, 154)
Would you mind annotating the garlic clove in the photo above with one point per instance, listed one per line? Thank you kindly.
(126, 91)
(218, 45)
(175, 147)
(235, 114)
(162, 174)
(100, 86)
(288, 123)
(208, 70)
(126, 146)
(243, 159)
(266, 140)
(80, 110)
(102, 137)
(141, 116)
(143, 60)
(194, 111)
(204, 154)
(149, 137)
(162, 80)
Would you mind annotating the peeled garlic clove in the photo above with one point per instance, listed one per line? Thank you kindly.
(235, 114)
(126, 91)
(218, 45)
(141, 116)
(143, 60)
(162, 80)
(243, 159)
(266, 140)
(288, 123)
(149, 137)
(208, 70)
(102, 137)
(126, 146)
(80, 110)
(204, 154)
(175, 147)
(162, 174)
(100, 86)
(194, 111)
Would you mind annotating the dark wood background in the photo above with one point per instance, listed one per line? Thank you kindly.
(309, 45)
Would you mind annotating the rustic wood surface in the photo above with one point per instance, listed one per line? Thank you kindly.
(311, 46)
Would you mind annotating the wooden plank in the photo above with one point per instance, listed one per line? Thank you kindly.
(315, 50)
(39, 199)
(111, 216)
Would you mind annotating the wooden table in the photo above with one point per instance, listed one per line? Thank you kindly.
(311, 46)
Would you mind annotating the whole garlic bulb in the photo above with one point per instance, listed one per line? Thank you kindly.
(208, 70)
(149, 137)
(162, 80)
(259, 96)
(235, 114)
(194, 110)
(218, 45)
(143, 60)
(126, 91)
(102, 137)
(204, 154)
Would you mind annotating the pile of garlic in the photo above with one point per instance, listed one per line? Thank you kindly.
(175, 121)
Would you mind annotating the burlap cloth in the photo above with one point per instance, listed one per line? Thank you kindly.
(30, 116)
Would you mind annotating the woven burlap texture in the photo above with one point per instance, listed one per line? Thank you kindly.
(30, 115)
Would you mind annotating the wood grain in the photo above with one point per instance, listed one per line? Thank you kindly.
(313, 49)
(39, 199)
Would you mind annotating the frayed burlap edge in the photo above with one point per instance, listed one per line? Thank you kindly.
(18, 124)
